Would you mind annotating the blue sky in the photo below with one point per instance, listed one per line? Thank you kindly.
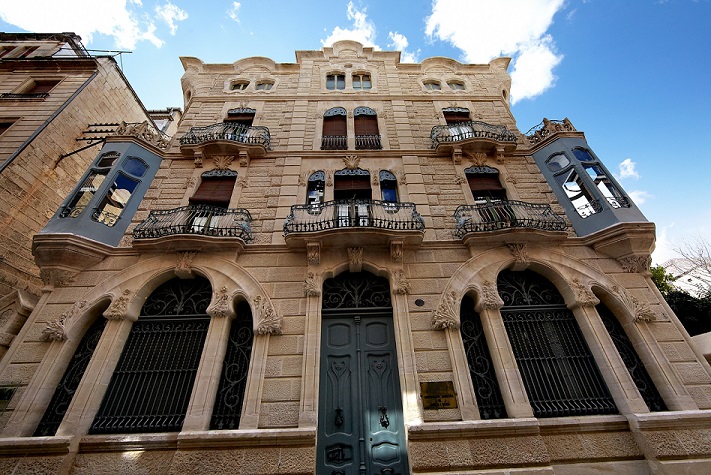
(634, 75)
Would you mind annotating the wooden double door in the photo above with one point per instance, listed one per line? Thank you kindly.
(361, 429)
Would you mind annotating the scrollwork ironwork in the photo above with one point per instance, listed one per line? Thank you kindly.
(356, 290)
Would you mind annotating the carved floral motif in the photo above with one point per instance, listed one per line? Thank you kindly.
(57, 277)
(119, 307)
(311, 287)
(329, 178)
(220, 306)
(446, 314)
(351, 161)
(146, 132)
(268, 321)
(635, 264)
(489, 297)
(520, 254)
(313, 253)
(355, 259)
(478, 159)
(400, 283)
(222, 162)
(55, 330)
(641, 311)
(185, 261)
(583, 295)
(396, 251)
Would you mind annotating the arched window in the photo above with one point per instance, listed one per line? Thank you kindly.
(481, 367)
(633, 363)
(230, 394)
(63, 394)
(558, 370)
(365, 122)
(388, 186)
(314, 191)
(151, 385)
(335, 130)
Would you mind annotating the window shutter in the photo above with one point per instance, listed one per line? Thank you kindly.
(335, 125)
(214, 191)
(366, 125)
(352, 182)
(489, 182)
(454, 117)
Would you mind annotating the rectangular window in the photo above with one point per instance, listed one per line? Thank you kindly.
(116, 199)
(335, 81)
(362, 81)
(41, 86)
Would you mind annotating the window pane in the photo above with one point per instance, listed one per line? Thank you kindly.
(331, 82)
(558, 162)
(582, 155)
(84, 194)
(578, 194)
(341, 81)
(115, 200)
(135, 167)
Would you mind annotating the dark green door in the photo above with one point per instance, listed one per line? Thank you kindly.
(361, 428)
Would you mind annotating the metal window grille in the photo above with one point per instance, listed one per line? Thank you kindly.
(150, 388)
(631, 359)
(558, 370)
(228, 405)
(481, 367)
(69, 383)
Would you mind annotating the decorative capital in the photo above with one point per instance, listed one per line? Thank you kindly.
(583, 295)
(445, 317)
(184, 263)
(313, 253)
(268, 321)
(311, 287)
(400, 283)
(220, 305)
(489, 297)
(641, 311)
(118, 310)
(355, 259)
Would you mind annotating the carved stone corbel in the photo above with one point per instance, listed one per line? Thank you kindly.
(220, 306)
(243, 159)
(118, 310)
(500, 157)
(355, 259)
(400, 283)
(183, 265)
(311, 286)
(641, 311)
(489, 297)
(313, 253)
(583, 295)
(198, 160)
(268, 322)
(446, 315)
(636, 264)
(457, 156)
(57, 277)
(56, 329)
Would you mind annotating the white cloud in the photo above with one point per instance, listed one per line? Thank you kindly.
(84, 17)
(363, 29)
(627, 169)
(399, 42)
(485, 29)
(639, 197)
(170, 13)
(234, 11)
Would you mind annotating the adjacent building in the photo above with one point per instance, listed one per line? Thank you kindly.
(347, 265)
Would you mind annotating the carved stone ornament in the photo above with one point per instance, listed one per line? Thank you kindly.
(518, 251)
(191, 182)
(641, 311)
(268, 321)
(457, 156)
(401, 177)
(185, 261)
(119, 306)
(55, 330)
(396, 251)
(220, 305)
(355, 259)
(329, 178)
(303, 178)
(222, 162)
(243, 159)
(351, 161)
(635, 264)
(489, 297)
(500, 157)
(583, 295)
(511, 179)
(311, 287)
(146, 132)
(400, 283)
(198, 160)
(374, 177)
(459, 179)
(57, 277)
(478, 159)
(313, 253)
(446, 314)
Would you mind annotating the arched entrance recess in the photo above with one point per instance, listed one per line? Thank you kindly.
(360, 427)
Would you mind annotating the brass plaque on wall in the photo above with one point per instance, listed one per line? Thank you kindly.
(438, 395)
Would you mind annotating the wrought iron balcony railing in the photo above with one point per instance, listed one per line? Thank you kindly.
(253, 135)
(545, 129)
(368, 142)
(497, 215)
(334, 142)
(28, 95)
(469, 130)
(354, 214)
(196, 219)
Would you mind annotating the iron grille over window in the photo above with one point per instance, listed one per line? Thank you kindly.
(356, 290)
(228, 405)
(631, 359)
(481, 367)
(150, 388)
(557, 368)
(70, 381)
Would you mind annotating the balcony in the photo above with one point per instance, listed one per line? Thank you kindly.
(28, 95)
(472, 136)
(541, 132)
(228, 137)
(503, 215)
(368, 142)
(194, 227)
(354, 223)
(334, 142)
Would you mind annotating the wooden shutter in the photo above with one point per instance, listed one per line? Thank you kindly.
(454, 117)
(335, 125)
(351, 182)
(366, 125)
(215, 191)
(488, 182)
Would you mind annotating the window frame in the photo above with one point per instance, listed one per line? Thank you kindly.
(337, 77)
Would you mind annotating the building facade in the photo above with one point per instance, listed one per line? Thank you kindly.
(57, 103)
(350, 265)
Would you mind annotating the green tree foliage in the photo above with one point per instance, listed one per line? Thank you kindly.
(662, 279)
(694, 313)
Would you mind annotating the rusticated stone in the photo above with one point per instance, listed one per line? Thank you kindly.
(119, 463)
